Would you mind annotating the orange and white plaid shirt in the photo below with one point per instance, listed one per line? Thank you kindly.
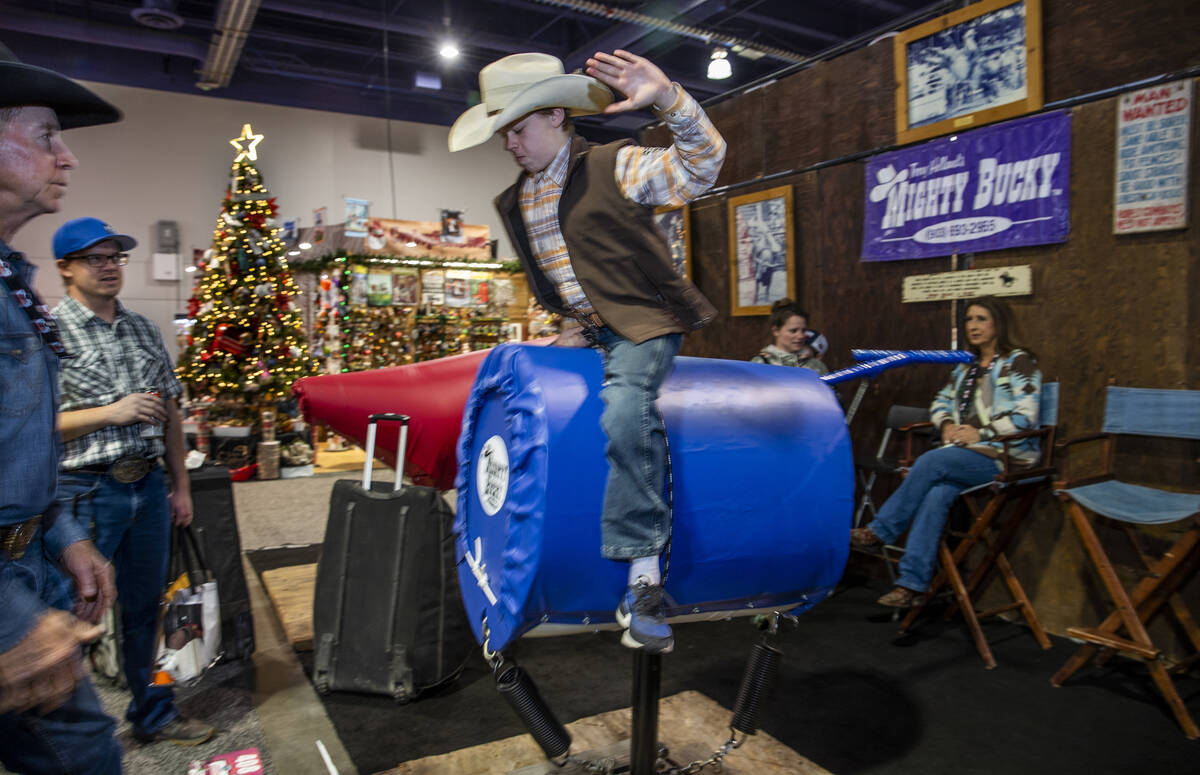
(649, 176)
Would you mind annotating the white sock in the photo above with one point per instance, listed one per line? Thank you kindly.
(645, 566)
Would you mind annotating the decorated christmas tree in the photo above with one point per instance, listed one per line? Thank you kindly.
(248, 344)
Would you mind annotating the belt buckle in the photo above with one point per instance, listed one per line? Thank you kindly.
(19, 537)
(128, 470)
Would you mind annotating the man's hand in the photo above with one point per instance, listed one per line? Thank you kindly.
(137, 407)
(181, 507)
(42, 670)
(571, 337)
(93, 575)
(640, 80)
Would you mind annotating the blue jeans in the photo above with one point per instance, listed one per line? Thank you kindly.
(75, 738)
(132, 527)
(923, 500)
(635, 521)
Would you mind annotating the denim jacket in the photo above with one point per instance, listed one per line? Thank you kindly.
(30, 444)
(1006, 401)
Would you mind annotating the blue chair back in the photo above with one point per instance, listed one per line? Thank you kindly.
(1048, 409)
(1153, 412)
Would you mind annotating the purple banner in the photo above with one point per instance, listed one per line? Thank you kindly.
(997, 187)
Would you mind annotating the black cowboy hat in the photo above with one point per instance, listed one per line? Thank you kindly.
(76, 106)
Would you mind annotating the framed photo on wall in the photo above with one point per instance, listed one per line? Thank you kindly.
(762, 266)
(674, 224)
(974, 66)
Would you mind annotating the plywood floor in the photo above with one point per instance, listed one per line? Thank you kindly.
(691, 726)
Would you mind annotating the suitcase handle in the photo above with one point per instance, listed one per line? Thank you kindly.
(400, 451)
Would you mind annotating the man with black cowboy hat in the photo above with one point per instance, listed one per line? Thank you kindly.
(119, 416)
(581, 219)
(50, 718)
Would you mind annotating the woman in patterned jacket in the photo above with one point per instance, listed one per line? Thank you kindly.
(996, 394)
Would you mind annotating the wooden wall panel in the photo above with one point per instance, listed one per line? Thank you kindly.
(1125, 308)
(1093, 45)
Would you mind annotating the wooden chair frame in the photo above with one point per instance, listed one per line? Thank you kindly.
(1013, 484)
(1136, 607)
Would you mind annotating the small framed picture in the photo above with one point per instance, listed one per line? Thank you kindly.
(674, 222)
(761, 250)
(974, 66)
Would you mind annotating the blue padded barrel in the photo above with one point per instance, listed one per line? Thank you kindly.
(763, 490)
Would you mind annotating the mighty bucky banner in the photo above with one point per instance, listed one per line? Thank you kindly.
(1001, 186)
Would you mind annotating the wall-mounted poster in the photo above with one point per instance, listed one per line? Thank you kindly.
(289, 230)
(973, 66)
(481, 289)
(318, 234)
(761, 250)
(452, 227)
(673, 223)
(356, 217)
(1153, 129)
(458, 288)
(503, 293)
(358, 286)
(379, 289)
(433, 287)
(406, 286)
(1001, 186)
(418, 239)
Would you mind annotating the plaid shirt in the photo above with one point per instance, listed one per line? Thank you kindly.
(111, 362)
(649, 176)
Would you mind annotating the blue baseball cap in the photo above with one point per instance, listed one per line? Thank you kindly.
(83, 233)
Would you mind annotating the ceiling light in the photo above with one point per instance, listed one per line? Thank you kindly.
(293, 252)
(718, 66)
(305, 245)
(448, 50)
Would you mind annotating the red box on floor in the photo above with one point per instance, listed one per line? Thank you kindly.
(246, 762)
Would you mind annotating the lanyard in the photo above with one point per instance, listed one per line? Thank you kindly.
(970, 382)
(39, 314)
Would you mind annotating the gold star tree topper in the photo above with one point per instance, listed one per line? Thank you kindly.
(250, 140)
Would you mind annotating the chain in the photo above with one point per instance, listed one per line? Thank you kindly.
(713, 761)
(608, 766)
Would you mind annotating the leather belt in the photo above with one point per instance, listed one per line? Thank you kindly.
(126, 470)
(15, 538)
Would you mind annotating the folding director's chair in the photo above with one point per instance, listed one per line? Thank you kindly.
(986, 503)
(902, 421)
(1141, 412)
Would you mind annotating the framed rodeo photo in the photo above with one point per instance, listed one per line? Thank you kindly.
(673, 222)
(762, 265)
(973, 66)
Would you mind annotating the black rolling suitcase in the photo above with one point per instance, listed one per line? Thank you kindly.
(214, 524)
(387, 616)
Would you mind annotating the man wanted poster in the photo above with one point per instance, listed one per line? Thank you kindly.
(1153, 127)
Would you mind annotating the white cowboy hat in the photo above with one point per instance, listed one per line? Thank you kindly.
(516, 86)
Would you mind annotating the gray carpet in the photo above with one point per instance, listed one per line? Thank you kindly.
(224, 697)
(288, 511)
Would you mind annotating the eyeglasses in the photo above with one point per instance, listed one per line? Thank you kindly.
(97, 260)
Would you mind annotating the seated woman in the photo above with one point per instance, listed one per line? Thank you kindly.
(995, 395)
(793, 343)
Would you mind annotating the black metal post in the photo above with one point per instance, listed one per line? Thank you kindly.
(643, 749)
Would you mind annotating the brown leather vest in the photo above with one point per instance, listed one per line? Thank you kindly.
(618, 255)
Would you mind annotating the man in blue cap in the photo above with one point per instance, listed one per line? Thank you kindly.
(119, 416)
(50, 717)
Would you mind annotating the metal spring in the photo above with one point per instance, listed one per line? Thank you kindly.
(518, 688)
(756, 681)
